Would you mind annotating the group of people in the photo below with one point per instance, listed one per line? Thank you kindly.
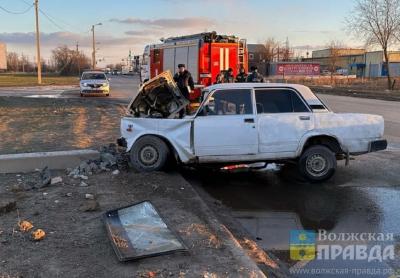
(185, 82)
(242, 77)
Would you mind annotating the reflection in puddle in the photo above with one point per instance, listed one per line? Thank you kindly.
(268, 207)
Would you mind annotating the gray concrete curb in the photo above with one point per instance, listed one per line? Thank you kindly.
(28, 162)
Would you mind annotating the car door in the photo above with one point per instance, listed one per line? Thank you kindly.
(226, 124)
(283, 117)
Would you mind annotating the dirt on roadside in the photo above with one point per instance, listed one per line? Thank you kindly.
(76, 242)
(41, 124)
(358, 92)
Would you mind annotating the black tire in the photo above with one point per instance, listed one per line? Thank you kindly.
(317, 163)
(149, 153)
(107, 95)
(81, 95)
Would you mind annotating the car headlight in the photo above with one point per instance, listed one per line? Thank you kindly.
(84, 84)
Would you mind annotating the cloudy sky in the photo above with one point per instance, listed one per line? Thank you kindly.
(131, 24)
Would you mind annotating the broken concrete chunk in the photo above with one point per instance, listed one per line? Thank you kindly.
(89, 196)
(84, 168)
(69, 194)
(7, 205)
(83, 184)
(45, 178)
(89, 205)
(83, 177)
(56, 180)
(108, 158)
(115, 172)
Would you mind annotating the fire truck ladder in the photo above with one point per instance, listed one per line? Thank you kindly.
(241, 53)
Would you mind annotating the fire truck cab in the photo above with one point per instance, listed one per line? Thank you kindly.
(205, 56)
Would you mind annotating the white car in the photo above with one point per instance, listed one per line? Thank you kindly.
(244, 123)
(94, 83)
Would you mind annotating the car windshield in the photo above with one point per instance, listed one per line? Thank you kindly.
(87, 76)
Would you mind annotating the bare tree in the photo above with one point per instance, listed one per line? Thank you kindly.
(271, 50)
(378, 23)
(335, 48)
(68, 61)
(12, 61)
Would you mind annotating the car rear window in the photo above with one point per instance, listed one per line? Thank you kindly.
(279, 101)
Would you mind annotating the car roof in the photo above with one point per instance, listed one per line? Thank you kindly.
(93, 72)
(306, 93)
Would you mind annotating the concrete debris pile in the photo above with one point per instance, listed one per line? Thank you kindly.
(111, 159)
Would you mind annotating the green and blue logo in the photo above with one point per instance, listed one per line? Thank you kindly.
(302, 245)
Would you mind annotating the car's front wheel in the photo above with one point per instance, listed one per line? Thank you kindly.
(149, 153)
(317, 163)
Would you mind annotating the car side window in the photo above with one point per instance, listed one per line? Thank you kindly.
(229, 102)
(279, 101)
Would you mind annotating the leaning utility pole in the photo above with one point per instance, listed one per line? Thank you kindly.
(38, 60)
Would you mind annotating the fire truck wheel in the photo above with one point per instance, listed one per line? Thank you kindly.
(149, 153)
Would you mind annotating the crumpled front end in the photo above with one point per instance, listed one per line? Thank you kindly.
(159, 97)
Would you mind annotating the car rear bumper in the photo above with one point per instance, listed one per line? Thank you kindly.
(378, 145)
(95, 91)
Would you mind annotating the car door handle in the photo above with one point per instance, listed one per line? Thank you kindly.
(250, 121)
(304, 118)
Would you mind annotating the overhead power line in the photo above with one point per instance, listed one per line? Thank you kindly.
(51, 20)
(13, 12)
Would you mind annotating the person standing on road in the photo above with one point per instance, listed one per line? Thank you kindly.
(242, 76)
(255, 76)
(184, 80)
(220, 77)
(229, 77)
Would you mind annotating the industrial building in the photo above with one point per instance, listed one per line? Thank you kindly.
(3, 57)
(357, 62)
(257, 57)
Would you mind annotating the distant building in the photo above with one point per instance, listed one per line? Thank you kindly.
(375, 64)
(3, 57)
(256, 54)
(357, 62)
(350, 59)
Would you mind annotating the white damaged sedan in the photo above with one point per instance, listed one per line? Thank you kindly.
(245, 123)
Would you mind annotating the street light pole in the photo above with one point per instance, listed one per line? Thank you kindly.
(39, 64)
(94, 47)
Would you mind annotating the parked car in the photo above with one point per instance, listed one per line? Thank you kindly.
(245, 123)
(94, 83)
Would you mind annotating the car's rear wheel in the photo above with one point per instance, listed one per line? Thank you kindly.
(149, 153)
(317, 163)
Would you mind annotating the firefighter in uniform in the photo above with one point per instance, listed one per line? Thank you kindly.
(255, 76)
(242, 76)
(184, 80)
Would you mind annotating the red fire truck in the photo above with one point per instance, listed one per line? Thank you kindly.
(205, 56)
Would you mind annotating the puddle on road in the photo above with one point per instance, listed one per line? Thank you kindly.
(44, 96)
(269, 207)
